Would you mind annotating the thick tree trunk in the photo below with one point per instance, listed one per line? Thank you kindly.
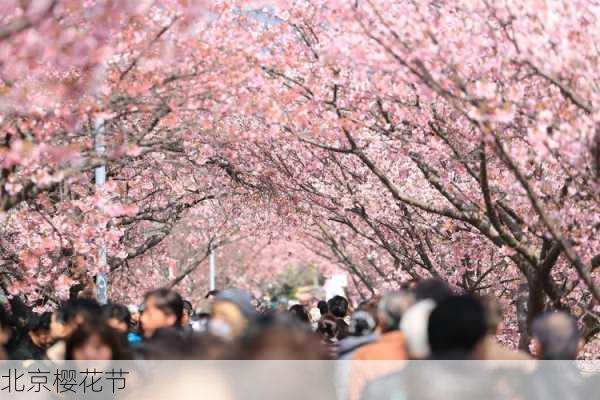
(530, 304)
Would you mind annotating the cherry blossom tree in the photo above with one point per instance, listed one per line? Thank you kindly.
(396, 139)
(458, 139)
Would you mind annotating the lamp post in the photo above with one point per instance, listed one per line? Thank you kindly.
(212, 269)
(100, 178)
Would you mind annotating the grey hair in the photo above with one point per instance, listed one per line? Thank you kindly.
(557, 335)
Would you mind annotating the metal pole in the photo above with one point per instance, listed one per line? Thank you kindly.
(213, 272)
(100, 177)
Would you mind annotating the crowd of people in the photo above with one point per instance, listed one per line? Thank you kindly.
(426, 322)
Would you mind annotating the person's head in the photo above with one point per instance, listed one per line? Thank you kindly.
(391, 308)
(456, 328)
(134, 312)
(5, 331)
(95, 341)
(493, 314)
(555, 336)
(328, 328)
(163, 308)
(414, 327)
(433, 289)
(362, 323)
(188, 310)
(338, 306)
(39, 329)
(71, 315)
(280, 337)
(117, 317)
(299, 311)
(323, 307)
(233, 309)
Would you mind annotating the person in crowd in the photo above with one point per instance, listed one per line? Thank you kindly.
(362, 327)
(363, 324)
(5, 331)
(231, 312)
(167, 343)
(66, 320)
(414, 323)
(117, 316)
(338, 306)
(95, 341)
(163, 308)
(134, 312)
(280, 337)
(299, 311)
(414, 327)
(328, 330)
(323, 307)
(492, 348)
(34, 344)
(188, 310)
(555, 337)
(361, 332)
(456, 331)
(389, 346)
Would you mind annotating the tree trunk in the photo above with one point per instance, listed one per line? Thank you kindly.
(530, 304)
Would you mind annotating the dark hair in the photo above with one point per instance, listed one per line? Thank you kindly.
(212, 293)
(323, 307)
(187, 306)
(86, 308)
(558, 336)
(168, 301)
(5, 320)
(39, 322)
(167, 344)
(456, 326)
(107, 335)
(299, 311)
(338, 306)
(433, 289)
(280, 336)
(118, 312)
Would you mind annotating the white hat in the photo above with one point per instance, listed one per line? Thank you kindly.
(414, 326)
